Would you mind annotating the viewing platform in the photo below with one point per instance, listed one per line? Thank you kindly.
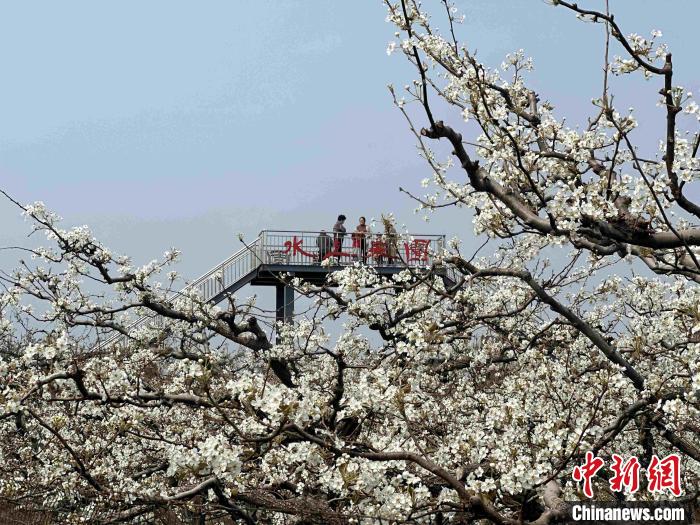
(309, 255)
(312, 255)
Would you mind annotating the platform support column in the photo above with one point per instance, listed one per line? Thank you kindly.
(284, 304)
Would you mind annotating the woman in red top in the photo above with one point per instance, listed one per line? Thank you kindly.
(360, 235)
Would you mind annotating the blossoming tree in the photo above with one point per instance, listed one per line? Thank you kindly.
(443, 400)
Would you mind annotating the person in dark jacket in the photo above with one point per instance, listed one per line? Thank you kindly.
(323, 242)
(338, 233)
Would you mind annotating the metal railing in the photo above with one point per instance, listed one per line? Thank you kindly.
(307, 248)
(227, 273)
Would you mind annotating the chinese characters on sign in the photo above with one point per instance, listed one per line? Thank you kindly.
(295, 247)
(377, 249)
(416, 251)
(662, 474)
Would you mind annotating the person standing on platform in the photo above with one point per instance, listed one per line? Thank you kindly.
(338, 234)
(323, 242)
(360, 238)
(391, 238)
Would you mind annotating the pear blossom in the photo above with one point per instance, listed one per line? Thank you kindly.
(467, 390)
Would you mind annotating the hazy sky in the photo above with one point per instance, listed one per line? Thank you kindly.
(172, 123)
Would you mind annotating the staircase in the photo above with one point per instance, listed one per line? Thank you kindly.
(230, 275)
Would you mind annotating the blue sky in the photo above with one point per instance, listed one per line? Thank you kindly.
(173, 123)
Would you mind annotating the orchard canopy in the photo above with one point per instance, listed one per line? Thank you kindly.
(574, 328)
